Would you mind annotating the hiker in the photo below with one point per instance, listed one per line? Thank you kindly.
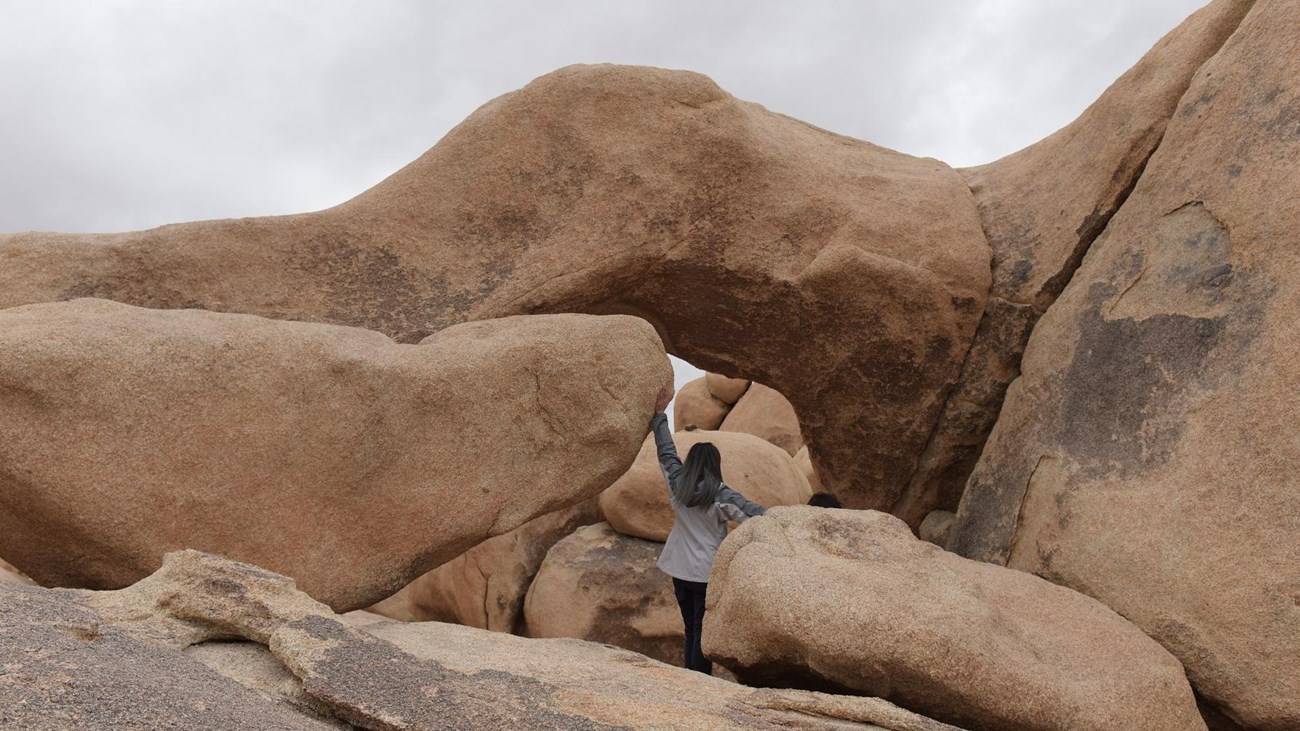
(702, 505)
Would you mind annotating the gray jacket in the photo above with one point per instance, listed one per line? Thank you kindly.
(697, 532)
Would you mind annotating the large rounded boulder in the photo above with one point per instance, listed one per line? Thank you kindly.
(330, 454)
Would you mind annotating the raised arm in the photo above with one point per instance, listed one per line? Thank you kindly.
(736, 506)
(668, 460)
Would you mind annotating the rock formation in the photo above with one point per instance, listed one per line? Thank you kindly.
(695, 408)
(11, 575)
(331, 454)
(1147, 454)
(851, 277)
(765, 413)
(485, 587)
(602, 586)
(129, 673)
(1041, 209)
(851, 601)
(637, 503)
(803, 461)
(727, 390)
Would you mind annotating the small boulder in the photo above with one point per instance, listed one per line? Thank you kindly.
(851, 601)
(765, 413)
(935, 527)
(695, 408)
(726, 390)
(637, 503)
(600, 585)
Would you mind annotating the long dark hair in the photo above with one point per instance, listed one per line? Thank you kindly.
(701, 476)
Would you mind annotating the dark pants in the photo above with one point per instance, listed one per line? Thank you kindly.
(690, 597)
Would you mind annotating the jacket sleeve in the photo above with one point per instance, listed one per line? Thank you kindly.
(668, 461)
(736, 507)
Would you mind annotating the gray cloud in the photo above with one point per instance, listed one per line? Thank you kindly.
(129, 114)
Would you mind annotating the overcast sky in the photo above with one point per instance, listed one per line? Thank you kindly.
(126, 114)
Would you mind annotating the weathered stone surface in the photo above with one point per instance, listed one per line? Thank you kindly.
(485, 586)
(803, 461)
(253, 667)
(11, 575)
(1147, 455)
(602, 586)
(62, 667)
(765, 413)
(851, 277)
(727, 390)
(331, 454)
(851, 600)
(695, 408)
(1042, 208)
(377, 673)
(637, 503)
(936, 527)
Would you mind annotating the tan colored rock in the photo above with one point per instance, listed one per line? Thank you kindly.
(1146, 456)
(765, 413)
(637, 503)
(803, 460)
(331, 454)
(603, 586)
(1042, 208)
(695, 408)
(66, 668)
(11, 575)
(851, 600)
(936, 527)
(376, 673)
(839, 264)
(485, 586)
(726, 390)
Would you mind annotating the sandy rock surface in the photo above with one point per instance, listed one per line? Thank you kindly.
(727, 390)
(1146, 456)
(1042, 208)
(637, 504)
(368, 671)
(331, 454)
(485, 587)
(851, 600)
(11, 575)
(838, 263)
(694, 407)
(603, 586)
(765, 413)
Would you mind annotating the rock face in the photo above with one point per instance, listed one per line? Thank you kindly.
(765, 413)
(331, 454)
(11, 575)
(695, 408)
(65, 668)
(1042, 208)
(726, 390)
(853, 277)
(637, 503)
(602, 586)
(485, 586)
(1146, 456)
(367, 671)
(851, 600)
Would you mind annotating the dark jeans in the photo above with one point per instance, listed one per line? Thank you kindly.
(690, 597)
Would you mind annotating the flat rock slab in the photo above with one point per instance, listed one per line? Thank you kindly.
(332, 454)
(851, 601)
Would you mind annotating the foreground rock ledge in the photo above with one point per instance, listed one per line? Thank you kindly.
(383, 675)
(852, 601)
(330, 454)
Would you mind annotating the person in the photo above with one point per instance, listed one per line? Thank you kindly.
(824, 500)
(702, 504)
